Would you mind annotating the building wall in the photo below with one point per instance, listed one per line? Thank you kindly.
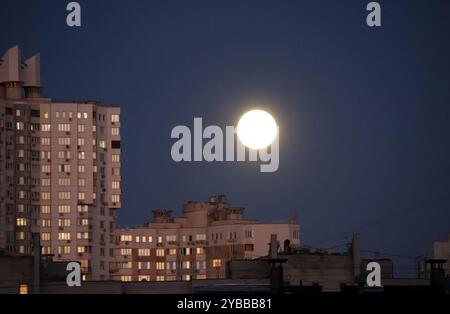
(197, 245)
(59, 171)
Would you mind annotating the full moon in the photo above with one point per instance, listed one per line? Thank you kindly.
(257, 129)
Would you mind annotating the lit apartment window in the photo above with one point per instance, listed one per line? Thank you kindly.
(46, 223)
(216, 262)
(81, 196)
(45, 195)
(64, 222)
(115, 158)
(46, 115)
(186, 277)
(200, 277)
(64, 209)
(45, 182)
(144, 252)
(115, 118)
(143, 265)
(200, 265)
(144, 277)
(64, 195)
(81, 182)
(22, 194)
(125, 251)
(82, 235)
(63, 235)
(83, 222)
(150, 239)
(126, 238)
(63, 140)
(186, 265)
(23, 289)
(187, 251)
(81, 155)
(200, 251)
(160, 265)
(21, 249)
(45, 141)
(20, 153)
(115, 171)
(160, 239)
(45, 127)
(81, 249)
(172, 265)
(82, 208)
(46, 250)
(45, 209)
(171, 238)
(125, 278)
(200, 237)
(81, 168)
(63, 168)
(64, 249)
(160, 278)
(20, 208)
(80, 141)
(80, 128)
(64, 127)
(115, 185)
(102, 143)
(172, 251)
(21, 222)
(45, 236)
(46, 168)
(20, 125)
(114, 131)
(160, 252)
(115, 198)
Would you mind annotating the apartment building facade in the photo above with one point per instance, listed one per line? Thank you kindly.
(197, 245)
(59, 171)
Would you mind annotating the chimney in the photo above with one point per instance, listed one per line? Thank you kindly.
(356, 253)
(10, 74)
(32, 77)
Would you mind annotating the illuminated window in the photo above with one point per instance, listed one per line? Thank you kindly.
(201, 276)
(64, 127)
(64, 222)
(114, 131)
(126, 238)
(200, 250)
(216, 263)
(115, 158)
(80, 141)
(186, 277)
(144, 277)
(159, 252)
(45, 236)
(23, 289)
(171, 238)
(80, 128)
(63, 235)
(186, 265)
(64, 209)
(160, 265)
(102, 143)
(200, 265)
(81, 182)
(125, 278)
(172, 251)
(200, 237)
(115, 185)
(63, 140)
(64, 195)
(64, 249)
(125, 251)
(144, 252)
(172, 265)
(21, 222)
(46, 222)
(115, 118)
(81, 155)
(115, 198)
(45, 209)
(143, 265)
(160, 278)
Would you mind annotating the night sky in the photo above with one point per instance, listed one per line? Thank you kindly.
(363, 113)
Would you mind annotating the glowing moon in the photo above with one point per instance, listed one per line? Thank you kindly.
(257, 129)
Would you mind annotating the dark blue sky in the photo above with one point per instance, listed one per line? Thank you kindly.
(364, 113)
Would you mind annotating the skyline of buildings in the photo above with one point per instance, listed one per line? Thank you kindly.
(60, 180)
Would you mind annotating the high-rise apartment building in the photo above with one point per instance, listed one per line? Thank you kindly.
(197, 245)
(59, 171)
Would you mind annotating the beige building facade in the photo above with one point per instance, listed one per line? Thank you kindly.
(59, 171)
(197, 245)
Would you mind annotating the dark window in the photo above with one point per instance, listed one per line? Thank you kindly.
(35, 113)
(115, 144)
(9, 111)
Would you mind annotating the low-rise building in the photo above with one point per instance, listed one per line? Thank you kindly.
(197, 245)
